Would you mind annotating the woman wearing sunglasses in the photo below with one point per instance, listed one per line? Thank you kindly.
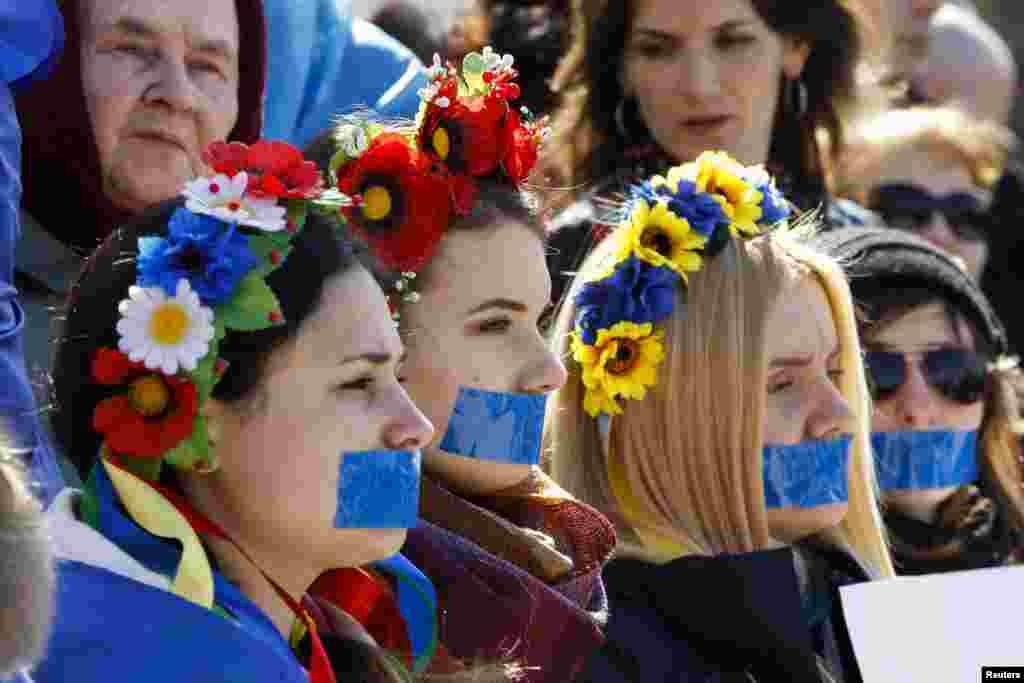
(931, 172)
(945, 426)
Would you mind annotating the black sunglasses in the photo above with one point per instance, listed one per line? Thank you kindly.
(909, 207)
(958, 374)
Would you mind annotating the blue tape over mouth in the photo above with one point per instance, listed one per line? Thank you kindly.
(933, 459)
(807, 474)
(378, 490)
(496, 426)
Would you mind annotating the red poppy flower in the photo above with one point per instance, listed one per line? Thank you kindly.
(275, 169)
(226, 157)
(404, 205)
(464, 192)
(153, 415)
(521, 149)
(467, 136)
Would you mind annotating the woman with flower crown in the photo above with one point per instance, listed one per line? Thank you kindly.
(516, 561)
(716, 411)
(227, 384)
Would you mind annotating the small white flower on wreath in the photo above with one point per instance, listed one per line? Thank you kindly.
(353, 140)
(496, 62)
(225, 198)
(437, 70)
(166, 333)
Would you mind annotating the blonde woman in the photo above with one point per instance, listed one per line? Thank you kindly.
(932, 172)
(720, 419)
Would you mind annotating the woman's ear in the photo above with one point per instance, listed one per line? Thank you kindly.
(794, 57)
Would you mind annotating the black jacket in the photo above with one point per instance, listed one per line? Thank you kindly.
(730, 618)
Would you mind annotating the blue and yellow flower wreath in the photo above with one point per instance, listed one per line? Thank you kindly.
(672, 223)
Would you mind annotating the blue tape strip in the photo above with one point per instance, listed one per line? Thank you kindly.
(925, 459)
(378, 490)
(496, 426)
(807, 474)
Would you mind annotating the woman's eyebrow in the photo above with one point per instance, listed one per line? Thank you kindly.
(503, 304)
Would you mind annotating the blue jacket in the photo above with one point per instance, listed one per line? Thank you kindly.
(323, 62)
(116, 619)
(31, 38)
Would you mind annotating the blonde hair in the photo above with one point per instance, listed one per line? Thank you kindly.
(690, 452)
(26, 569)
(979, 147)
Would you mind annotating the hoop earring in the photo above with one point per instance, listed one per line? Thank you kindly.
(796, 96)
(627, 120)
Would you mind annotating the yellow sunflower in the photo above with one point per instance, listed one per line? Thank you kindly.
(621, 363)
(661, 238)
(719, 174)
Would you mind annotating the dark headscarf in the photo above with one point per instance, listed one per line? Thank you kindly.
(60, 162)
(880, 261)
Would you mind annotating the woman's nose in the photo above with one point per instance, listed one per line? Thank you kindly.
(544, 374)
(408, 428)
(832, 416)
(915, 404)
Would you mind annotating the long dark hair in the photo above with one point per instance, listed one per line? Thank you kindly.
(588, 148)
(91, 318)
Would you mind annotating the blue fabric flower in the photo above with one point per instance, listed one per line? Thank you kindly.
(651, 194)
(774, 207)
(700, 209)
(636, 292)
(212, 255)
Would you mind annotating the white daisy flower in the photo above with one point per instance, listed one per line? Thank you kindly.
(165, 333)
(225, 198)
(353, 140)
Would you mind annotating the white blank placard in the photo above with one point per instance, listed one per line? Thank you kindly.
(940, 628)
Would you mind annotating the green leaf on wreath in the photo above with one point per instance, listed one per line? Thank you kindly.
(144, 468)
(253, 307)
(192, 451)
(269, 251)
(296, 216)
(205, 375)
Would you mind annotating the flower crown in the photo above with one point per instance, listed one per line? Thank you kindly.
(205, 278)
(406, 184)
(671, 224)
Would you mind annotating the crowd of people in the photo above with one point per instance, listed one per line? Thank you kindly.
(576, 341)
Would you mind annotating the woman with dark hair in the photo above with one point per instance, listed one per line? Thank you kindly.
(515, 559)
(651, 83)
(227, 387)
(946, 422)
(409, 24)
